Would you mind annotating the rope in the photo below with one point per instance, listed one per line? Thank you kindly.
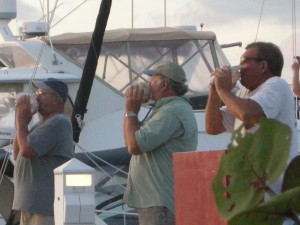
(69, 13)
(79, 120)
(294, 47)
(5, 162)
(6, 159)
(294, 27)
(258, 26)
(89, 155)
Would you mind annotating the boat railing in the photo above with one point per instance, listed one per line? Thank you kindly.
(125, 215)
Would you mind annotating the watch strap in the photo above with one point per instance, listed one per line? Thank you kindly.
(130, 114)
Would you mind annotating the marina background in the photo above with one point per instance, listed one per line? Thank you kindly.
(232, 20)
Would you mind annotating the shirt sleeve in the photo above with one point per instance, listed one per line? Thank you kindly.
(269, 97)
(228, 119)
(160, 128)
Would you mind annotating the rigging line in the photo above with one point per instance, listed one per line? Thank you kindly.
(69, 13)
(35, 67)
(294, 28)
(101, 169)
(52, 13)
(47, 23)
(4, 165)
(261, 12)
(42, 8)
(151, 107)
(5, 161)
(89, 154)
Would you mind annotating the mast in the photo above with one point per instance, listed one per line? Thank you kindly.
(90, 66)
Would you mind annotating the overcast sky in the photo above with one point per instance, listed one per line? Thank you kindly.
(231, 20)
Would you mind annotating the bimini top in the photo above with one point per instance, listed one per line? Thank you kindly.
(136, 34)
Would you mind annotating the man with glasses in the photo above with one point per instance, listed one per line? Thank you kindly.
(263, 95)
(39, 151)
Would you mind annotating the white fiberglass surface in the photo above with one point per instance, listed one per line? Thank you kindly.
(13, 56)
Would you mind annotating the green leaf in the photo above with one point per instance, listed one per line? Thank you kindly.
(252, 161)
(292, 175)
(273, 212)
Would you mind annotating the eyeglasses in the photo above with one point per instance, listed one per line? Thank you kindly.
(42, 92)
(244, 59)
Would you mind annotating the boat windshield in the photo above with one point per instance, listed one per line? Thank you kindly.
(13, 56)
(127, 53)
(123, 63)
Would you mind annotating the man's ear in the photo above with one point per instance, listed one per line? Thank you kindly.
(264, 66)
(165, 84)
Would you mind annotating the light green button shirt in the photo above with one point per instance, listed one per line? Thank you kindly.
(170, 128)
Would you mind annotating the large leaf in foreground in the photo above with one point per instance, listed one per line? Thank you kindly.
(292, 175)
(250, 162)
(273, 212)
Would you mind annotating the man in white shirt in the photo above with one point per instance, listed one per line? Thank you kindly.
(263, 95)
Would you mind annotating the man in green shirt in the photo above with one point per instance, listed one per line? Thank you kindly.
(170, 128)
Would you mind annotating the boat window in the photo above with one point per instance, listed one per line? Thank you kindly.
(122, 63)
(76, 53)
(14, 57)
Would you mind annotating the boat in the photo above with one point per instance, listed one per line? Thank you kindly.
(125, 55)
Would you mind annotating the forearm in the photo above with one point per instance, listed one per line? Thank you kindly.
(213, 114)
(133, 100)
(24, 147)
(15, 147)
(23, 118)
(130, 126)
(245, 110)
(296, 84)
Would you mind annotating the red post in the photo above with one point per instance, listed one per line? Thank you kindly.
(194, 173)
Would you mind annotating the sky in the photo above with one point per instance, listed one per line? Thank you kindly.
(231, 20)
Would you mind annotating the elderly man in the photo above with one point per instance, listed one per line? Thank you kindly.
(170, 128)
(263, 95)
(39, 151)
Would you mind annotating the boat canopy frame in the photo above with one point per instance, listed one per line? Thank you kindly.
(127, 53)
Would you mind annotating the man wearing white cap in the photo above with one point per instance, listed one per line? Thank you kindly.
(39, 151)
(170, 128)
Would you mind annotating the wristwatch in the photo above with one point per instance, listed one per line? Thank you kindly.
(130, 114)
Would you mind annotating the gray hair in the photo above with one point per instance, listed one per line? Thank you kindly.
(178, 88)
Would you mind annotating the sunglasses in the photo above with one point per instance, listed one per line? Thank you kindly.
(244, 59)
(42, 92)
